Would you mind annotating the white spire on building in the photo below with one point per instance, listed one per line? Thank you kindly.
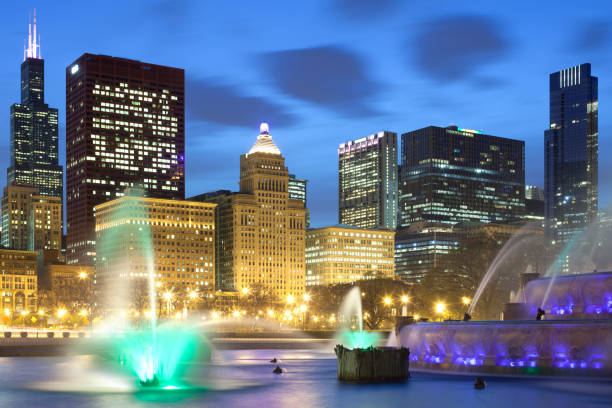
(32, 48)
(264, 143)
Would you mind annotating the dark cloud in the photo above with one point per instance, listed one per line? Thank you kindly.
(486, 83)
(174, 13)
(593, 36)
(214, 102)
(453, 48)
(365, 9)
(328, 76)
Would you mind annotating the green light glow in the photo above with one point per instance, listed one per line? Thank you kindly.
(358, 339)
(158, 360)
(478, 132)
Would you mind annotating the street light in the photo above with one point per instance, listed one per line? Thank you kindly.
(405, 299)
(290, 299)
(245, 291)
(61, 313)
(82, 275)
(440, 308)
(387, 300)
(466, 300)
(306, 297)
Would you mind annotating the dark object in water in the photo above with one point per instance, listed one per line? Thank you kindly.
(153, 382)
(277, 370)
(467, 317)
(274, 360)
(540, 314)
(479, 383)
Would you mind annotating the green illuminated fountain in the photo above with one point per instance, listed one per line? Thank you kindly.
(156, 354)
(359, 357)
(158, 358)
(351, 310)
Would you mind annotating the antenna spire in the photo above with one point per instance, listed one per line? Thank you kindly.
(33, 46)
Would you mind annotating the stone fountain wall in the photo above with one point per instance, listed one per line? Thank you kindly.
(569, 348)
(580, 296)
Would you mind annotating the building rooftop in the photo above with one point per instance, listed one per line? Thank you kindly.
(264, 143)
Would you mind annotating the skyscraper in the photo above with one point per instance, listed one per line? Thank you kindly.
(571, 149)
(453, 175)
(298, 191)
(260, 230)
(33, 132)
(367, 181)
(124, 128)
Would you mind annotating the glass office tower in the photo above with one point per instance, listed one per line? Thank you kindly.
(451, 175)
(33, 133)
(571, 150)
(367, 181)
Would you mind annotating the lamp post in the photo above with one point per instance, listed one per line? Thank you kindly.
(405, 299)
(440, 308)
(60, 314)
(168, 298)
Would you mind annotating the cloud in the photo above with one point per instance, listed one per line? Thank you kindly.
(365, 9)
(453, 48)
(593, 36)
(329, 76)
(212, 101)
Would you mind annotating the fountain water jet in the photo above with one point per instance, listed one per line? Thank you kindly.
(517, 241)
(351, 308)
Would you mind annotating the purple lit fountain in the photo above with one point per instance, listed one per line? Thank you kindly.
(573, 339)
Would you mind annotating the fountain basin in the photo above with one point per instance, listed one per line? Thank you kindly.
(372, 364)
(547, 347)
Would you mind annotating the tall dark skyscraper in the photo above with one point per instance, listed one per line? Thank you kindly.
(367, 181)
(451, 175)
(125, 127)
(34, 137)
(571, 149)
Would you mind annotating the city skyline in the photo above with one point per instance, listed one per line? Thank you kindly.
(430, 89)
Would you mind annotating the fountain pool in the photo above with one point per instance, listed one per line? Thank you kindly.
(244, 378)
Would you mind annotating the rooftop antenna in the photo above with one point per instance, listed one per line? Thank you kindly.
(33, 46)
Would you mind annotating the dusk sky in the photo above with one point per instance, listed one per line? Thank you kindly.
(324, 72)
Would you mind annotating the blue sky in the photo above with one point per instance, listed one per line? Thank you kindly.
(324, 72)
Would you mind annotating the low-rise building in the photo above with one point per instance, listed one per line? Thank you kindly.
(344, 254)
(139, 236)
(18, 273)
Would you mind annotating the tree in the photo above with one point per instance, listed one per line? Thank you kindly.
(327, 300)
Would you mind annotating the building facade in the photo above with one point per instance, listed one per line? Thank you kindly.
(69, 286)
(571, 153)
(298, 191)
(261, 230)
(124, 129)
(534, 205)
(172, 239)
(31, 222)
(18, 271)
(368, 181)
(450, 175)
(33, 133)
(422, 247)
(343, 254)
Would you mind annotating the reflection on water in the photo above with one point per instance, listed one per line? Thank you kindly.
(244, 378)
